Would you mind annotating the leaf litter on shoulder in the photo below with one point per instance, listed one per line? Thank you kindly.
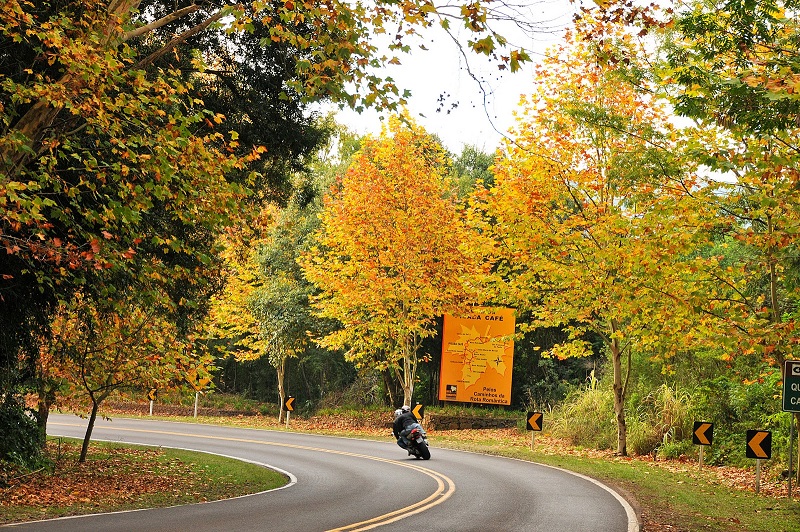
(112, 478)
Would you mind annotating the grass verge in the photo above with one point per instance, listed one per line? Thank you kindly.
(116, 477)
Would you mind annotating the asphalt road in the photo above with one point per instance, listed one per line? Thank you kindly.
(342, 484)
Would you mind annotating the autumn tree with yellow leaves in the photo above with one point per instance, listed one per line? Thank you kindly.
(392, 253)
(581, 213)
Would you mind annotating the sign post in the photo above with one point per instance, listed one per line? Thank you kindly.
(702, 435)
(534, 424)
(198, 383)
(151, 395)
(791, 403)
(791, 456)
(759, 446)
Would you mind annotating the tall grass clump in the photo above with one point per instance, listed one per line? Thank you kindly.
(658, 417)
(586, 418)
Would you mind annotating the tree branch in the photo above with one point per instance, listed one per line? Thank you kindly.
(160, 22)
(181, 38)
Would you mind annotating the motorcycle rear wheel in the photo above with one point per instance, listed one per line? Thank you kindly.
(423, 451)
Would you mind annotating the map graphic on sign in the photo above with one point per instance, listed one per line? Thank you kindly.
(477, 357)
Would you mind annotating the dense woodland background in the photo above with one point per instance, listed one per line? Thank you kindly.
(174, 212)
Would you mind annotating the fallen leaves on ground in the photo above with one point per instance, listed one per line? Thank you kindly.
(114, 479)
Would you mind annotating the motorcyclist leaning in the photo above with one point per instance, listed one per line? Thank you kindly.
(404, 423)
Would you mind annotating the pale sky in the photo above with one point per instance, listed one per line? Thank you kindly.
(441, 71)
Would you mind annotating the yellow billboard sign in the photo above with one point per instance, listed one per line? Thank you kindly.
(477, 357)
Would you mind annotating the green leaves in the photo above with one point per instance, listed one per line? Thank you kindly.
(737, 66)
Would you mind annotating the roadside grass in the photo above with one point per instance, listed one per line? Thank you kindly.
(119, 477)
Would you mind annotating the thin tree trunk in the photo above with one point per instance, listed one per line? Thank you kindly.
(389, 384)
(619, 399)
(280, 368)
(89, 428)
(43, 413)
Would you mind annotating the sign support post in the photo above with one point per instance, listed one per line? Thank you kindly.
(758, 475)
(791, 453)
(288, 405)
(197, 383)
(151, 395)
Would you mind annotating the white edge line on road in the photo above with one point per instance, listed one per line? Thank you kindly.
(290, 476)
(633, 520)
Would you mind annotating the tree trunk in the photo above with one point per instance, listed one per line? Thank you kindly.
(406, 378)
(42, 414)
(46, 398)
(280, 369)
(619, 399)
(89, 428)
(409, 376)
(38, 118)
(388, 382)
(408, 381)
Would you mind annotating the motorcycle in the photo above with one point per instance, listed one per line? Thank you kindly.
(418, 443)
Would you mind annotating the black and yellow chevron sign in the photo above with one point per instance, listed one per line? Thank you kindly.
(703, 433)
(195, 380)
(534, 421)
(759, 444)
(288, 404)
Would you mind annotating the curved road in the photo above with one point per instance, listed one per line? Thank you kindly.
(341, 484)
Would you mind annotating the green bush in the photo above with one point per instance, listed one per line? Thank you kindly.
(21, 441)
(674, 449)
(738, 405)
(643, 437)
